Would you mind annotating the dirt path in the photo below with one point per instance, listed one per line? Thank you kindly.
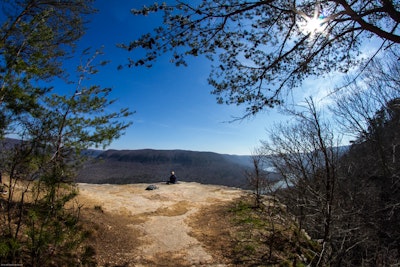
(136, 227)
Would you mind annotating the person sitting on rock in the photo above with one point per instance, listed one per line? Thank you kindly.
(172, 178)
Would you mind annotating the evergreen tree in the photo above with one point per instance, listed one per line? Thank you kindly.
(36, 37)
(39, 220)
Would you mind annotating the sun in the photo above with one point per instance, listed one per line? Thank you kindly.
(314, 24)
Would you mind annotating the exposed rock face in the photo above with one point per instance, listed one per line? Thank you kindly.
(157, 221)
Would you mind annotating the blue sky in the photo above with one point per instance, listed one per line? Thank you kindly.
(174, 107)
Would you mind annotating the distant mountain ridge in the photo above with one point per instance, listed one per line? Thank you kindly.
(149, 166)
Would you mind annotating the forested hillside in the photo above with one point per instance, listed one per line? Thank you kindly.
(147, 166)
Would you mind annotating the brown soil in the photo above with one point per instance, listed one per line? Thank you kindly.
(175, 225)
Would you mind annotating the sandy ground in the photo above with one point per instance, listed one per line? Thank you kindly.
(162, 227)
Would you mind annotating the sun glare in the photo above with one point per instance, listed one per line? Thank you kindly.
(313, 25)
